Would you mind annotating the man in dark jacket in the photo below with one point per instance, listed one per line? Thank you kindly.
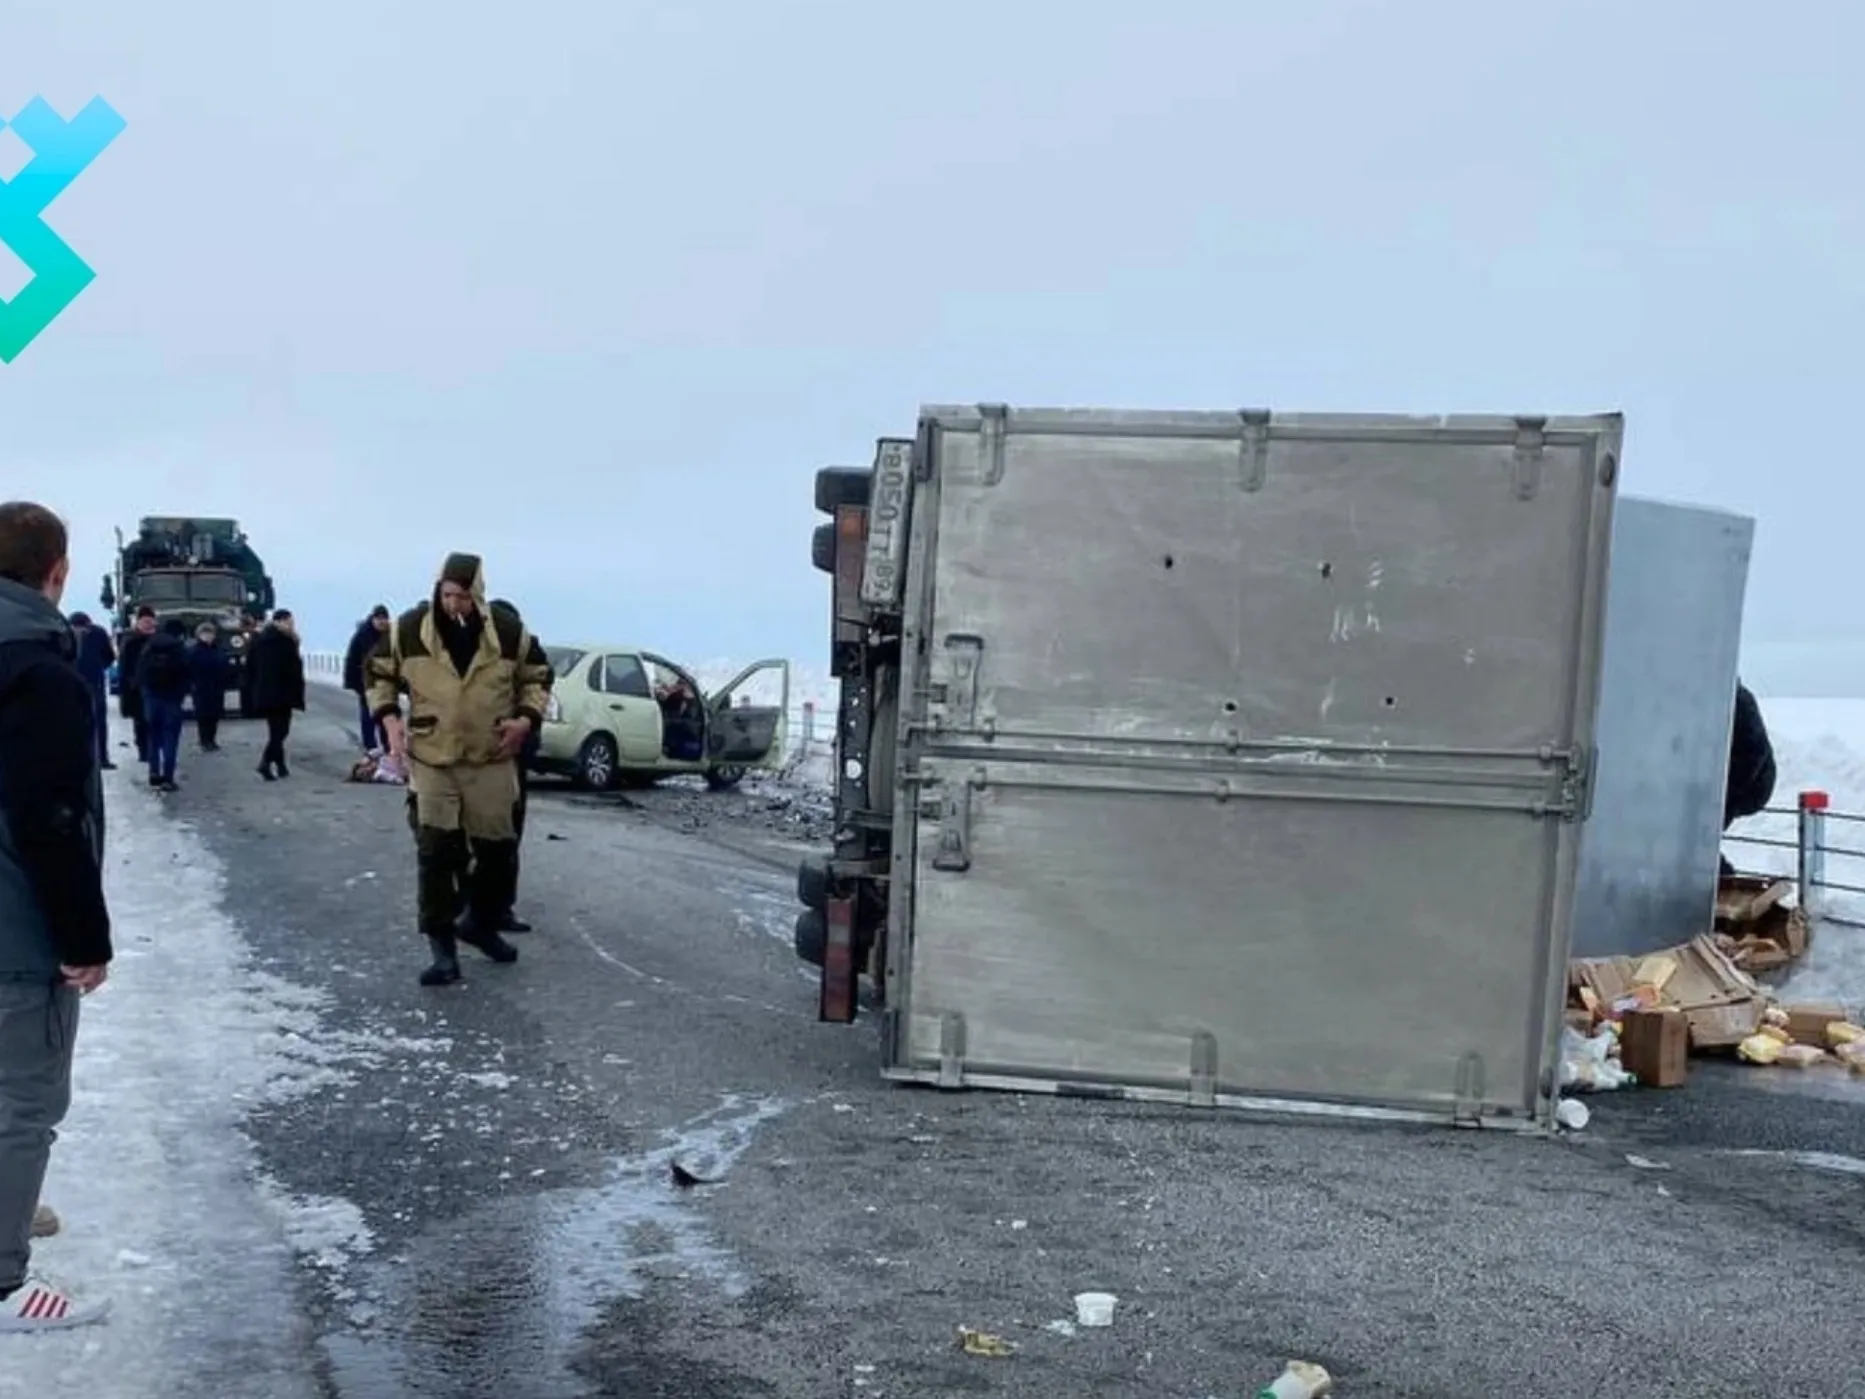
(162, 676)
(277, 669)
(129, 663)
(96, 654)
(54, 927)
(356, 677)
(1751, 760)
(209, 670)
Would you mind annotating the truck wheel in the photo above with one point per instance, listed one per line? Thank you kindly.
(595, 764)
(812, 937)
(822, 548)
(842, 485)
(813, 882)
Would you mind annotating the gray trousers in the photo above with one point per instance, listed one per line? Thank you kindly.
(38, 1027)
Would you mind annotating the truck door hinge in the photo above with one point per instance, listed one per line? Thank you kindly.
(955, 693)
(1530, 442)
(951, 1050)
(1472, 1087)
(1253, 453)
(993, 428)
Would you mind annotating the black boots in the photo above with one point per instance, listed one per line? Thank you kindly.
(483, 936)
(265, 771)
(446, 968)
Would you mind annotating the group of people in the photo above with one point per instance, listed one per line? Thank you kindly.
(456, 688)
(161, 670)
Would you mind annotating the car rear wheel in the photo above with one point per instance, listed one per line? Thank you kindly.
(721, 779)
(595, 763)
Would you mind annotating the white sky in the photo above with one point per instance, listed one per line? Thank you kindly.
(594, 287)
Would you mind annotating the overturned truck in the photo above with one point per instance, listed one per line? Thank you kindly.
(1247, 759)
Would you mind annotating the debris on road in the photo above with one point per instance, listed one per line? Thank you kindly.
(1302, 1380)
(1095, 1309)
(1572, 1114)
(1755, 926)
(686, 1179)
(1645, 1163)
(974, 1342)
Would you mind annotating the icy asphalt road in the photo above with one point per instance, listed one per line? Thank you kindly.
(480, 1191)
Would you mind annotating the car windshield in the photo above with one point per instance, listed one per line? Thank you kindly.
(563, 659)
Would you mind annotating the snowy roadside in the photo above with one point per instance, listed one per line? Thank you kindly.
(152, 1175)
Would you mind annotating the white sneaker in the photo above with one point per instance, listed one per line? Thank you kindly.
(39, 1305)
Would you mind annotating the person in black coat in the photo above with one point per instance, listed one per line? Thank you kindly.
(276, 667)
(209, 670)
(96, 654)
(1751, 761)
(355, 678)
(162, 677)
(129, 664)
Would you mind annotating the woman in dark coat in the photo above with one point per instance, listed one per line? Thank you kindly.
(209, 670)
(276, 667)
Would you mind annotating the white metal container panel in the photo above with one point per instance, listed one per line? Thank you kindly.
(1245, 755)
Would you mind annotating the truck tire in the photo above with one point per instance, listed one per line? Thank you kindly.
(822, 548)
(842, 485)
(813, 882)
(812, 937)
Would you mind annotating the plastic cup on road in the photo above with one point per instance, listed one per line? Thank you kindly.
(1094, 1308)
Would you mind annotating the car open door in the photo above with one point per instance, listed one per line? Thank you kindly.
(749, 735)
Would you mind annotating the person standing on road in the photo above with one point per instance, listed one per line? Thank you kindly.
(369, 633)
(129, 666)
(209, 670)
(54, 925)
(96, 654)
(162, 676)
(277, 668)
(475, 694)
(510, 922)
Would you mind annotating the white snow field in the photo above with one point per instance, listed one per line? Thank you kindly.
(151, 1174)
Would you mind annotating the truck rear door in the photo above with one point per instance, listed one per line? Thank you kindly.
(1243, 757)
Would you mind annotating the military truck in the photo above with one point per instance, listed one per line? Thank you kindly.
(195, 569)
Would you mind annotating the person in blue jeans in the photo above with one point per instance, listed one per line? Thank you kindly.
(96, 654)
(164, 676)
(369, 633)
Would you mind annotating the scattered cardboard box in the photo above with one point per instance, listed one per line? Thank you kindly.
(1722, 1004)
(1655, 1047)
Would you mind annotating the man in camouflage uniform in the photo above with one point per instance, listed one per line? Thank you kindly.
(476, 692)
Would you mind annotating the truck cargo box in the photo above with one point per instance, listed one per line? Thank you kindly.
(1243, 758)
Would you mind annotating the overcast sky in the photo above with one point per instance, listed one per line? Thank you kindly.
(594, 287)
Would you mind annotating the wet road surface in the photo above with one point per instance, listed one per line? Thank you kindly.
(480, 1179)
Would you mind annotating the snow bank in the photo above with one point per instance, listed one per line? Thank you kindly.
(151, 1175)
(1818, 743)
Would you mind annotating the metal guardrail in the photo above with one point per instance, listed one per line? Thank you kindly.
(812, 735)
(1812, 846)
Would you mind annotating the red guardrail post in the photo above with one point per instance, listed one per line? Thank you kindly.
(1812, 865)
